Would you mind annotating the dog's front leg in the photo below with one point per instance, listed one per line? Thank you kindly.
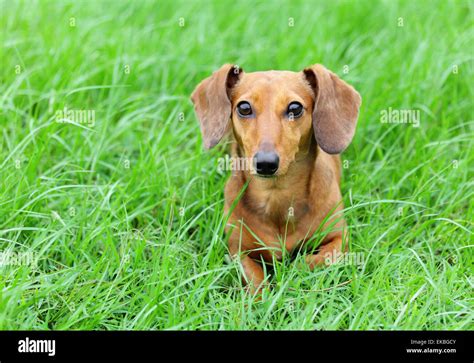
(253, 275)
(328, 253)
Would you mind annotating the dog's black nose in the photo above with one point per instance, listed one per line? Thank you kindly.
(266, 162)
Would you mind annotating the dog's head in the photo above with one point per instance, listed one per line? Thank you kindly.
(275, 114)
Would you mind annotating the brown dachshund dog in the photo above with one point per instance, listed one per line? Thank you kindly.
(291, 125)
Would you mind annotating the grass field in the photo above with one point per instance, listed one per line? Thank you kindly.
(117, 222)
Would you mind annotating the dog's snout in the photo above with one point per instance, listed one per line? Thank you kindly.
(266, 162)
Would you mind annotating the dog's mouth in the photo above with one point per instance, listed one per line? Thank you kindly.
(266, 176)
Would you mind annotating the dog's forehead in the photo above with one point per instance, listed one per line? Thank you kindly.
(272, 81)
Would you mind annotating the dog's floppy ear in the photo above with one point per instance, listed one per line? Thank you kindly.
(211, 100)
(335, 111)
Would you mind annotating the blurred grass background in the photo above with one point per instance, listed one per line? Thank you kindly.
(124, 217)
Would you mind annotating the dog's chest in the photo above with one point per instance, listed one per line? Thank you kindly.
(281, 208)
(281, 224)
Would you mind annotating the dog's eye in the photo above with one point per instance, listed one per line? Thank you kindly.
(295, 110)
(244, 109)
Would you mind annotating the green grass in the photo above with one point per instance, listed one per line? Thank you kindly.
(125, 217)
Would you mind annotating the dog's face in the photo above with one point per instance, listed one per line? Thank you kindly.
(271, 119)
(274, 114)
